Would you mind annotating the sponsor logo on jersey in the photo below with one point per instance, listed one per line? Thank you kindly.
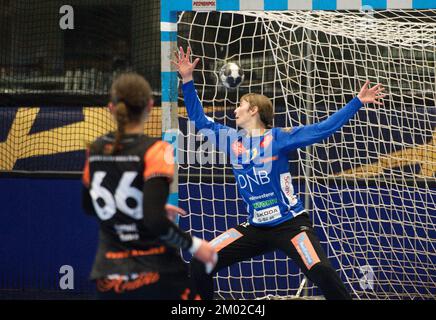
(253, 178)
(266, 215)
(288, 188)
(135, 253)
(127, 232)
(262, 196)
(264, 204)
(120, 285)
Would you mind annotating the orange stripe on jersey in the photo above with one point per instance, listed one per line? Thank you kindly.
(225, 239)
(159, 161)
(85, 176)
(305, 249)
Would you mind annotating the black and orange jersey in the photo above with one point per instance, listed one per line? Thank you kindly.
(131, 238)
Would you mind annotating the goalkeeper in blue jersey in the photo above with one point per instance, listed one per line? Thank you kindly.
(259, 157)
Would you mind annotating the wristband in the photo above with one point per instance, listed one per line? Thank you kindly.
(196, 243)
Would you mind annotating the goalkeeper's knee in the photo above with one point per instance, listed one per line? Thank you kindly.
(329, 282)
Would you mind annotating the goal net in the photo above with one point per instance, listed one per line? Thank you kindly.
(370, 188)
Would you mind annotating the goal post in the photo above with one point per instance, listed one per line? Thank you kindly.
(370, 188)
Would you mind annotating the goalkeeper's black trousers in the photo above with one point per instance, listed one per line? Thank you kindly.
(295, 237)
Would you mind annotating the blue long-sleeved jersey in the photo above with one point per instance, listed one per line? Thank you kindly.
(260, 163)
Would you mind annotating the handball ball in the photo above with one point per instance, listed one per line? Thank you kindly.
(231, 75)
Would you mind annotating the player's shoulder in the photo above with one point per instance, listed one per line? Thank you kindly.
(100, 142)
(106, 138)
(157, 145)
(159, 160)
(141, 144)
(276, 131)
(153, 143)
(137, 144)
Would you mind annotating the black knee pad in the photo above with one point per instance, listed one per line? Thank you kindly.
(322, 272)
(322, 267)
(328, 280)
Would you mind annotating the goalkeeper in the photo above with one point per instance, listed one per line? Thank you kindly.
(259, 157)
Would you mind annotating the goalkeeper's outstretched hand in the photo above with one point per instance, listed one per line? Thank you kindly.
(184, 65)
(371, 95)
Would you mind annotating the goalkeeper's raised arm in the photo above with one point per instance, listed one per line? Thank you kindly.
(193, 104)
(302, 136)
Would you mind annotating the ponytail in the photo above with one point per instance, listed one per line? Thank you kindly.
(122, 118)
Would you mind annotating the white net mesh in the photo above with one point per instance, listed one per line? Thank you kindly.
(370, 187)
